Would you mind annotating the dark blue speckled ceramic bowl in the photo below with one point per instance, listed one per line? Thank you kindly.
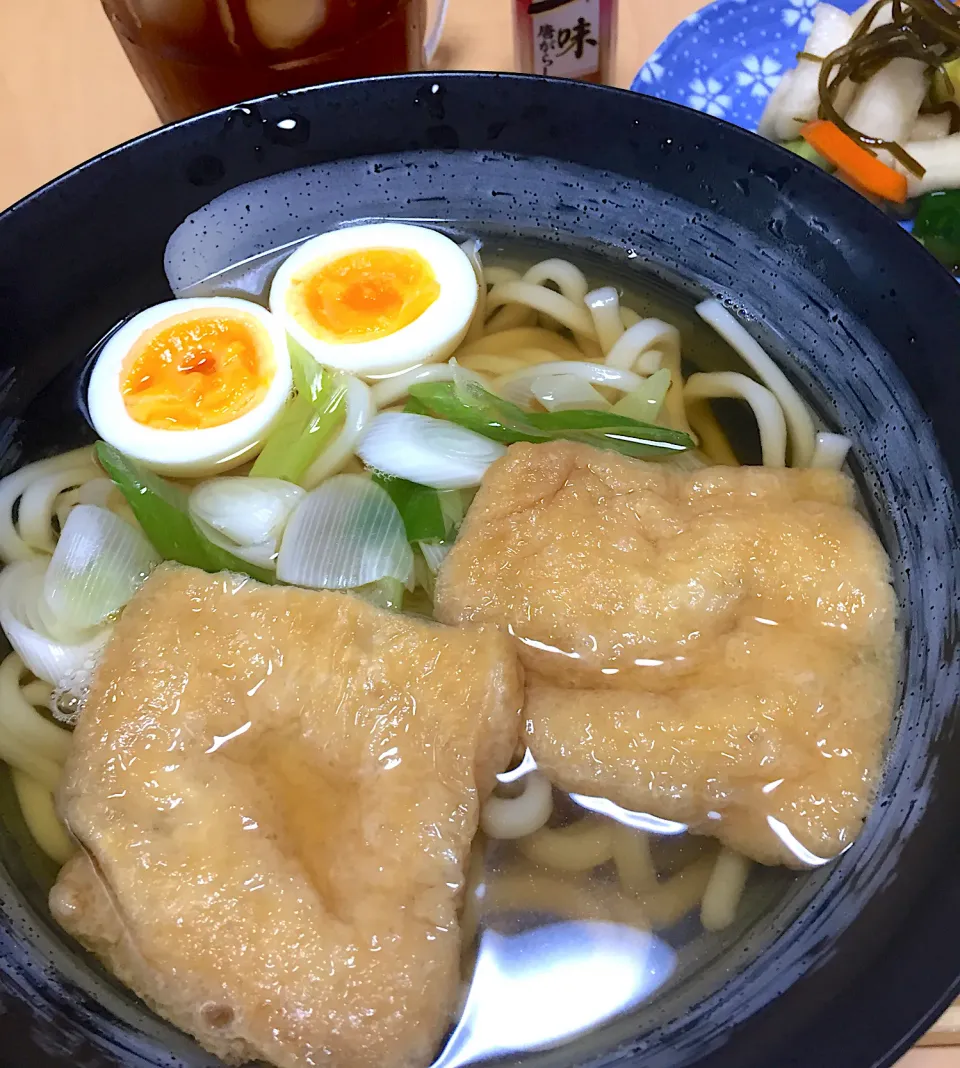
(855, 961)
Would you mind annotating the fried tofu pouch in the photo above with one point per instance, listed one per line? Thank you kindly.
(275, 791)
(715, 648)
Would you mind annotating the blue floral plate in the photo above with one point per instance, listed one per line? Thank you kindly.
(728, 57)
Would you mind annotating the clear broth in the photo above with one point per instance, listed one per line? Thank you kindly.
(570, 910)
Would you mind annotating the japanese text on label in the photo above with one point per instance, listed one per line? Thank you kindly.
(566, 37)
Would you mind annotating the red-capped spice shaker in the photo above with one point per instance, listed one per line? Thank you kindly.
(566, 38)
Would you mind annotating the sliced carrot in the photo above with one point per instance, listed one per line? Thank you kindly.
(859, 165)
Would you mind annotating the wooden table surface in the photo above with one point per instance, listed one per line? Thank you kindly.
(66, 93)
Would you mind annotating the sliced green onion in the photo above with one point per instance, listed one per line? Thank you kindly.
(454, 505)
(470, 405)
(560, 392)
(308, 423)
(425, 578)
(99, 564)
(516, 386)
(344, 534)
(56, 662)
(434, 553)
(162, 509)
(427, 514)
(385, 593)
(644, 403)
(415, 407)
(246, 510)
(245, 516)
(430, 452)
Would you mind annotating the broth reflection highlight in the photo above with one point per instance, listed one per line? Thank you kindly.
(708, 652)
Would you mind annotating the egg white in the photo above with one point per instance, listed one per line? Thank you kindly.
(431, 337)
(186, 452)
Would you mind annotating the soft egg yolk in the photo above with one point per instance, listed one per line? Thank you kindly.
(195, 374)
(367, 294)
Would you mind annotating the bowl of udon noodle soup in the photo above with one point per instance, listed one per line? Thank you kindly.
(479, 583)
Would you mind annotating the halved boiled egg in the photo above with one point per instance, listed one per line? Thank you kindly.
(191, 386)
(378, 298)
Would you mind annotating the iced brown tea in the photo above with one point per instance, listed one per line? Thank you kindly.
(193, 55)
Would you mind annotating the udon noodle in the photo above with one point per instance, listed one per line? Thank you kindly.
(540, 322)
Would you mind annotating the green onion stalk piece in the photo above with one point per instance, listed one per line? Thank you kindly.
(307, 424)
(428, 514)
(161, 508)
(469, 404)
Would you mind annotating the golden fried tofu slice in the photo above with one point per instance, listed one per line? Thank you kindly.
(715, 648)
(275, 791)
